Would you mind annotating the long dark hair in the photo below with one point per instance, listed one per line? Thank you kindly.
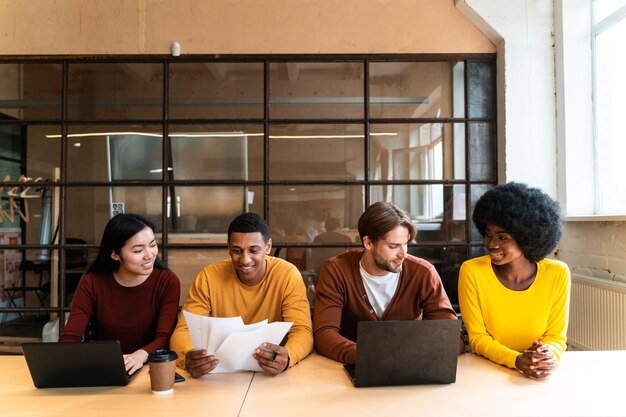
(116, 233)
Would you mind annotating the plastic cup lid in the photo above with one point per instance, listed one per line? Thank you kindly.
(162, 355)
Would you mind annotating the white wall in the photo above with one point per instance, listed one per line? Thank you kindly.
(523, 31)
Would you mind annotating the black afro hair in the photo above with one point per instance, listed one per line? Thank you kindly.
(528, 214)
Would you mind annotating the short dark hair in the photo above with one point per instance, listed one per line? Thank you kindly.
(249, 223)
(380, 218)
(331, 224)
(115, 235)
(528, 214)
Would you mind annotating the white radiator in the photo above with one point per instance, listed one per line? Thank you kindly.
(597, 314)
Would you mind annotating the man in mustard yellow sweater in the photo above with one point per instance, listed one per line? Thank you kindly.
(255, 286)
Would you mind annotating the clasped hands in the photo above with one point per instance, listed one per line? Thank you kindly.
(537, 361)
(273, 359)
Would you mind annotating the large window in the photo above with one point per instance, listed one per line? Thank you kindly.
(190, 143)
(609, 92)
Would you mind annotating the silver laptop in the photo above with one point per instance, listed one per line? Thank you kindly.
(407, 352)
(76, 364)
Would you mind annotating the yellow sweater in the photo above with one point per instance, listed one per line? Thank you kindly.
(280, 296)
(501, 323)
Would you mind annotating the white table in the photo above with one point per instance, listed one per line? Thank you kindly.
(585, 384)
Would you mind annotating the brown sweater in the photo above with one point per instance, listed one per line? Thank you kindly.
(341, 302)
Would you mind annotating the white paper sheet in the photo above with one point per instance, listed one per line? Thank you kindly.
(235, 354)
(219, 331)
(200, 328)
(232, 341)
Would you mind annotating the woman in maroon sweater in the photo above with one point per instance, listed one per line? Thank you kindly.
(127, 293)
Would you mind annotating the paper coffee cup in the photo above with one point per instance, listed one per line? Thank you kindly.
(162, 370)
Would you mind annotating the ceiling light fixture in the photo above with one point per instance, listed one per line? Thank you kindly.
(217, 135)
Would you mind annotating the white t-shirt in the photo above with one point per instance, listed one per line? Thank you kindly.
(380, 289)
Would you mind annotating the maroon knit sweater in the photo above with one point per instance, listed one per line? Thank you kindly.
(141, 317)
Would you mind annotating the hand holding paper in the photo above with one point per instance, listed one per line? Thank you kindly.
(232, 341)
(273, 359)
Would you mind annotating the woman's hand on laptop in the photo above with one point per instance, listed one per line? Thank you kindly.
(272, 358)
(135, 360)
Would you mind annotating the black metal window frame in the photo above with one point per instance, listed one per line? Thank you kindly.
(166, 182)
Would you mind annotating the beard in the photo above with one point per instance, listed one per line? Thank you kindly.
(386, 265)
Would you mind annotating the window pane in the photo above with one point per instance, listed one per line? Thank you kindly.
(438, 210)
(482, 149)
(333, 232)
(105, 153)
(115, 91)
(30, 91)
(447, 260)
(36, 273)
(426, 151)
(481, 89)
(187, 263)
(90, 208)
(210, 210)
(477, 251)
(299, 213)
(77, 260)
(224, 152)
(43, 143)
(321, 90)
(34, 214)
(11, 169)
(26, 282)
(21, 205)
(458, 89)
(476, 192)
(18, 328)
(221, 90)
(11, 143)
(12, 282)
(609, 111)
(411, 89)
(306, 152)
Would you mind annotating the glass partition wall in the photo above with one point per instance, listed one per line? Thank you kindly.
(190, 143)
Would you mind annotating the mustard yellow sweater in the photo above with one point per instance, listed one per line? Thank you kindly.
(280, 296)
(501, 323)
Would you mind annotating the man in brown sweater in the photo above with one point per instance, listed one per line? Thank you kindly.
(379, 282)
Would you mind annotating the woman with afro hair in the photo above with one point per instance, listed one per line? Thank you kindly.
(514, 302)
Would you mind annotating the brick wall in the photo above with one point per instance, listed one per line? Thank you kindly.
(596, 249)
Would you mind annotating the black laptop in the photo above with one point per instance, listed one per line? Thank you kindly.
(76, 364)
(405, 353)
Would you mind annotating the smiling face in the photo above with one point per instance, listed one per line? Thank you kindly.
(386, 254)
(503, 249)
(248, 251)
(137, 256)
